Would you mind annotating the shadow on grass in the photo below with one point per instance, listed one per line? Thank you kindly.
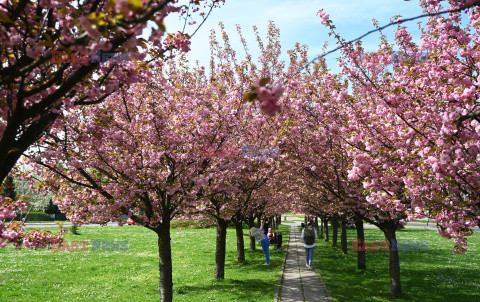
(246, 290)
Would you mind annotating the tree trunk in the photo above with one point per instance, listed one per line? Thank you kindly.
(316, 223)
(252, 243)
(361, 259)
(321, 229)
(326, 230)
(393, 259)
(220, 248)
(251, 224)
(335, 231)
(165, 261)
(240, 241)
(343, 237)
(259, 222)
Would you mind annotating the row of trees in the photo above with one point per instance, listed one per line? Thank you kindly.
(383, 141)
(394, 140)
(141, 153)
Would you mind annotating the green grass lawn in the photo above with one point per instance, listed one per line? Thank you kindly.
(132, 275)
(437, 274)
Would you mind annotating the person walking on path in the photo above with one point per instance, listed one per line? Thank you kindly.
(299, 285)
(309, 235)
(263, 240)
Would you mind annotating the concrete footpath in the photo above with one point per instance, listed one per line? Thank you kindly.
(300, 283)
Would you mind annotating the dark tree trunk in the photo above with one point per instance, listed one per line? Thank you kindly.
(251, 224)
(316, 223)
(393, 259)
(321, 229)
(259, 221)
(13, 145)
(327, 237)
(220, 248)
(240, 241)
(343, 237)
(335, 231)
(361, 259)
(165, 261)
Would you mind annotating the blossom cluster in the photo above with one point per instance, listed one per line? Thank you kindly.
(179, 41)
(324, 17)
(267, 96)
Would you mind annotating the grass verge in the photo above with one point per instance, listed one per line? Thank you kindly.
(132, 275)
(437, 274)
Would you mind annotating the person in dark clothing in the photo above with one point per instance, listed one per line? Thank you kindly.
(309, 235)
(271, 236)
(265, 226)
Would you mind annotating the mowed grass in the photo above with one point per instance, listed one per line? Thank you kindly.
(437, 274)
(132, 275)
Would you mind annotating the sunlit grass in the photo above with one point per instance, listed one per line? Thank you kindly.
(437, 274)
(132, 275)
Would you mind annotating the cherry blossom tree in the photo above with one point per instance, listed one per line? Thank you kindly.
(317, 162)
(139, 160)
(230, 127)
(421, 141)
(411, 127)
(62, 54)
(59, 55)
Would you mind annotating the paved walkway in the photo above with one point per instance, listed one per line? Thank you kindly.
(300, 283)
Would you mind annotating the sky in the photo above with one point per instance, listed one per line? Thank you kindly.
(298, 22)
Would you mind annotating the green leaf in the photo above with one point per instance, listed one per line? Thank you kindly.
(162, 26)
(92, 16)
(135, 5)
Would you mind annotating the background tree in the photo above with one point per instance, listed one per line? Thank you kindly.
(138, 160)
(52, 209)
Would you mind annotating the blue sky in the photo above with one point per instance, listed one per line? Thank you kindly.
(298, 22)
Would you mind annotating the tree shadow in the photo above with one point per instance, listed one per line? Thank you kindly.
(246, 290)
